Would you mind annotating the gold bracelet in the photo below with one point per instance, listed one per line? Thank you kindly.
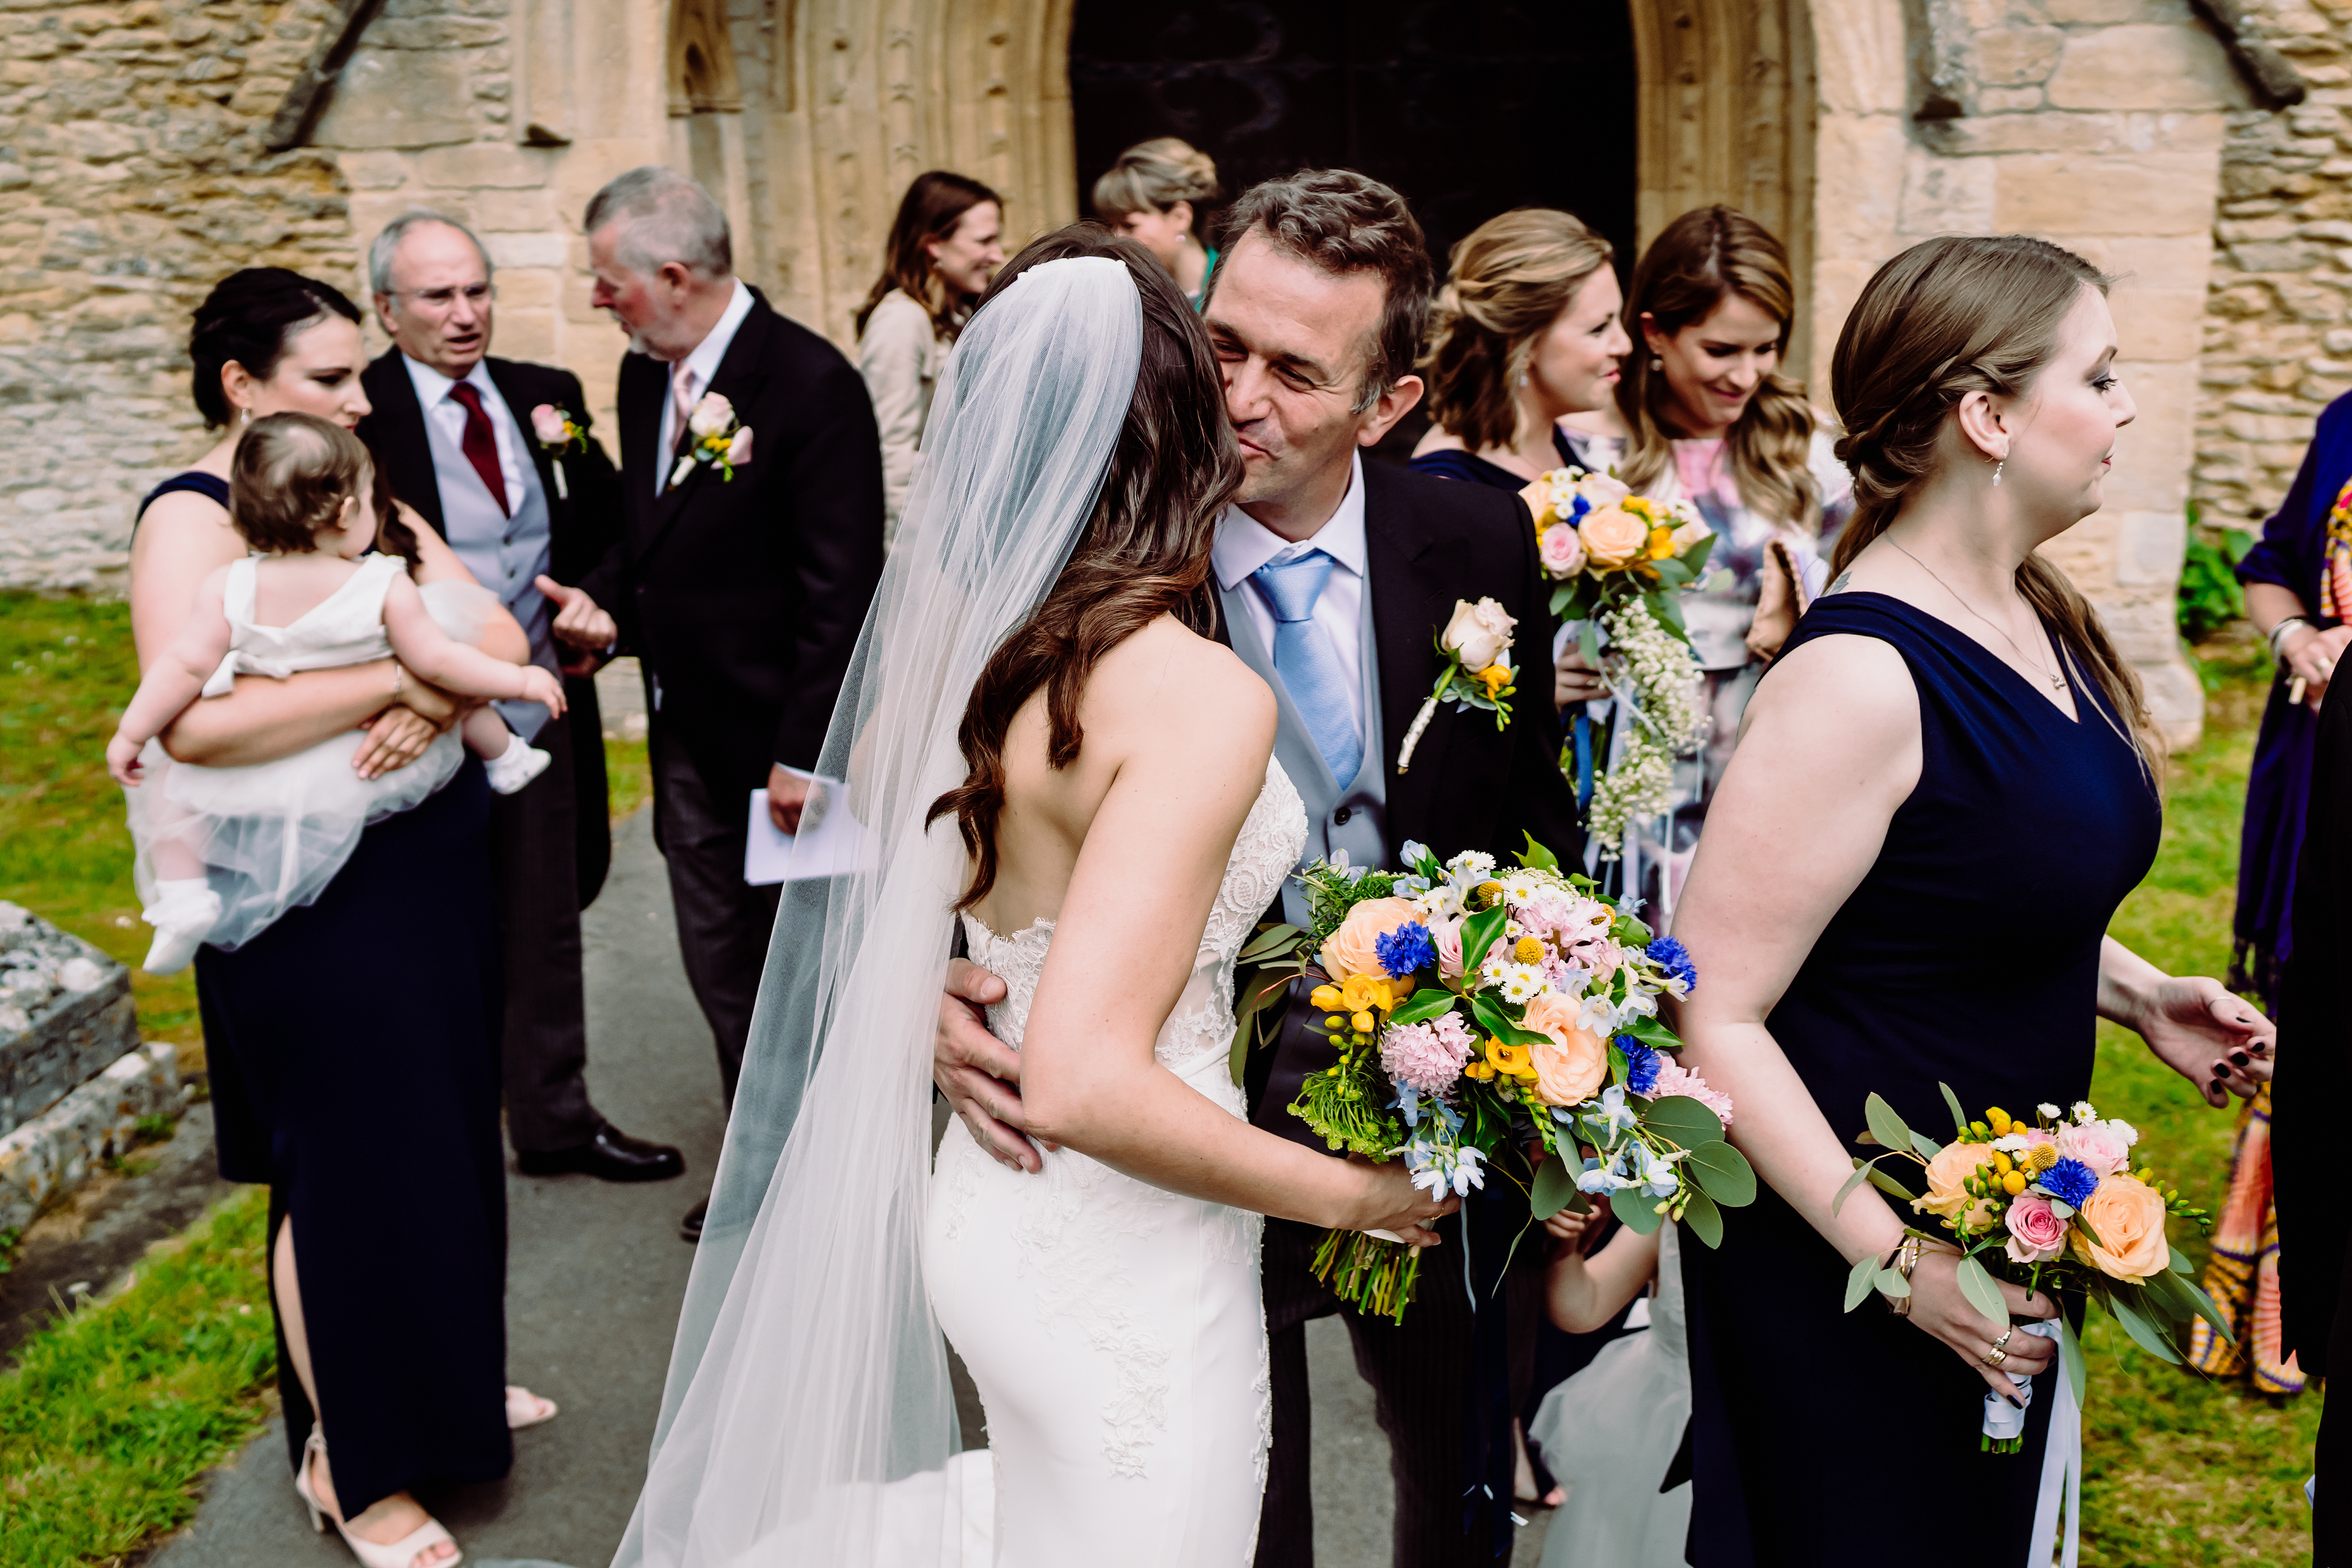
(1903, 1260)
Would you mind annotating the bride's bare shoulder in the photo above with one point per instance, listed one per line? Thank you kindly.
(1166, 687)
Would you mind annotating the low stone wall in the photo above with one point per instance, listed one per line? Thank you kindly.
(57, 1150)
(65, 1012)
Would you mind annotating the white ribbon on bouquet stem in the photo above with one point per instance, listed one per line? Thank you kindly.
(2062, 1456)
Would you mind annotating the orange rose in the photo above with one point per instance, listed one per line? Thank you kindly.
(2128, 1214)
(1574, 1065)
(1349, 951)
(1612, 537)
(1946, 1172)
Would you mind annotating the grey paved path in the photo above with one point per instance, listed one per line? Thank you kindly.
(594, 1274)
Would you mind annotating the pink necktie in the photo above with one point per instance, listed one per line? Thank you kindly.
(682, 401)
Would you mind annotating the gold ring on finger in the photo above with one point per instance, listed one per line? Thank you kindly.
(1995, 1356)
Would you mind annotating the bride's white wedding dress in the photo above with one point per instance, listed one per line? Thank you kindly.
(1114, 1328)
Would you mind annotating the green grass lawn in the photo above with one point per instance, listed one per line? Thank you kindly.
(2180, 1470)
(110, 1415)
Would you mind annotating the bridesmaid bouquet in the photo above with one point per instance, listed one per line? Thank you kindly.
(1619, 560)
(2049, 1203)
(1498, 1021)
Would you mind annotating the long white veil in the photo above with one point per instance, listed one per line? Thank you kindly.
(808, 1417)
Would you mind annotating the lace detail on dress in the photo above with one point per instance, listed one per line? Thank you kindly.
(1070, 1214)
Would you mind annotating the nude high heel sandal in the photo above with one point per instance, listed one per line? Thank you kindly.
(401, 1553)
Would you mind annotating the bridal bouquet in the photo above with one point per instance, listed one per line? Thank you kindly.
(1618, 559)
(1502, 1021)
(2049, 1203)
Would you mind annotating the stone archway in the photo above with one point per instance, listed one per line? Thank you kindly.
(1728, 101)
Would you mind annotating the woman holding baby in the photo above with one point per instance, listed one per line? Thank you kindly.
(363, 1090)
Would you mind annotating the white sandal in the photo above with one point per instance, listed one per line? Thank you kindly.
(515, 1391)
(401, 1553)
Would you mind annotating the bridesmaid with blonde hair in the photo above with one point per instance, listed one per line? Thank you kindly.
(1154, 195)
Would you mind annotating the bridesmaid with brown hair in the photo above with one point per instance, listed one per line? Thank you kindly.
(1703, 414)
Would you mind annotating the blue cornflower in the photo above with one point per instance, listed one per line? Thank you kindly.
(1406, 949)
(2069, 1181)
(1641, 1065)
(1674, 959)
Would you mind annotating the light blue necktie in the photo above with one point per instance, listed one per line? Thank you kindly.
(1311, 668)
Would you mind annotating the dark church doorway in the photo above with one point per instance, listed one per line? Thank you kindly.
(1469, 108)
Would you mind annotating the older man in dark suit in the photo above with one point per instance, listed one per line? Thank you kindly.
(744, 567)
(453, 428)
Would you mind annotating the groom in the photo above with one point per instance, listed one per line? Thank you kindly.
(1333, 576)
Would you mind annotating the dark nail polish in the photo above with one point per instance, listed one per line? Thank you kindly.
(2012, 1400)
(2240, 1057)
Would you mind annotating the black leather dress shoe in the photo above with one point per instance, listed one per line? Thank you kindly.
(610, 1156)
(691, 1227)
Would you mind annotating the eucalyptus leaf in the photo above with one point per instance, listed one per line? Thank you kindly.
(2070, 1356)
(2146, 1334)
(1982, 1293)
(1689, 1122)
(1927, 1148)
(1635, 1210)
(1702, 1219)
(1672, 574)
(1884, 1124)
(1890, 1282)
(1555, 1185)
(2162, 1293)
(1959, 1117)
(1859, 1282)
(1588, 641)
(1423, 1005)
(1668, 614)
(1723, 1174)
(1559, 598)
(1868, 1139)
(1862, 1170)
(1270, 939)
(1890, 1187)
(2206, 1308)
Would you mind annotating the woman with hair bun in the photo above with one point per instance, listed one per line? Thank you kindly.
(370, 1110)
(1705, 416)
(1154, 195)
(1945, 786)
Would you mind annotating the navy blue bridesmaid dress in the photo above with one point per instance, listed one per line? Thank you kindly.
(1969, 956)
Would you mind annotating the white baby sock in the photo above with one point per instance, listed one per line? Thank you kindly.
(516, 766)
(183, 915)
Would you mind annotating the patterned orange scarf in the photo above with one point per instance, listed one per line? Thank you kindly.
(2335, 559)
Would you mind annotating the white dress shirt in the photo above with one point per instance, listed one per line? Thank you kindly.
(1245, 544)
(704, 362)
(433, 396)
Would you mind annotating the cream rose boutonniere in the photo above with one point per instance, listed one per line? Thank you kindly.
(720, 440)
(1475, 645)
(559, 432)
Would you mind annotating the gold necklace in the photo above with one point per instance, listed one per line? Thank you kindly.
(2057, 682)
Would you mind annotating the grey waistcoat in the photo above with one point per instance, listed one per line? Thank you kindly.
(504, 553)
(1354, 818)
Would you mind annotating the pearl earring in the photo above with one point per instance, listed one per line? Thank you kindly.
(1524, 380)
(1997, 467)
(1657, 364)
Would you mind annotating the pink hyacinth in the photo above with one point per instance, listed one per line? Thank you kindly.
(1426, 1057)
(1675, 1078)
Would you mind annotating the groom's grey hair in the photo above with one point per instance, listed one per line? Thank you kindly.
(664, 218)
(387, 244)
(1344, 222)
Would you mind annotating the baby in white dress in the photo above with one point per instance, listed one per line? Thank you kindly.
(225, 851)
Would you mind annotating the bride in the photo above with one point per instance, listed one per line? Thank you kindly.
(1039, 743)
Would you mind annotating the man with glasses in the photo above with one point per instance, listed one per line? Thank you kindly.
(454, 430)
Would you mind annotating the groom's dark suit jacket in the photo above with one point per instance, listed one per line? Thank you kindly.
(582, 529)
(1428, 542)
(744, 597)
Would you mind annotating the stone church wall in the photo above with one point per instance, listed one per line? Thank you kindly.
(2278, 327)
(132, 178)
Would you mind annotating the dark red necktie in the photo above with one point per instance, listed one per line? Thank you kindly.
(480, 444)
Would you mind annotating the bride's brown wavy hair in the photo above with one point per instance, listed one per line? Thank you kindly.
(1142, 553)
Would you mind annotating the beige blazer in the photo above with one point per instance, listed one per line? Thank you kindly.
(899, 357)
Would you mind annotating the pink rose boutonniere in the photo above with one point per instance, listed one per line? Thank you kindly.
(720, 440)
(559, 432)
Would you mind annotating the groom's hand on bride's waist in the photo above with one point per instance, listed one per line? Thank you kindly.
(980, 1074)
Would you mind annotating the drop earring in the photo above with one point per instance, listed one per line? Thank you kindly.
(1997, 467)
